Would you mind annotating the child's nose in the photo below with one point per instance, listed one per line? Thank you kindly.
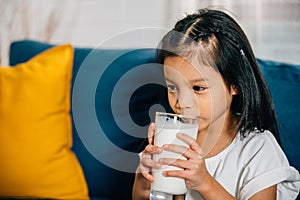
(186, 100)
(187, 104)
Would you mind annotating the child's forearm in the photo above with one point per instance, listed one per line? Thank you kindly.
(141, 188)
(213, 190)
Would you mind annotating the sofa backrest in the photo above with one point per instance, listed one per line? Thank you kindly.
(109, 91)
(284, 83)
(105, 145)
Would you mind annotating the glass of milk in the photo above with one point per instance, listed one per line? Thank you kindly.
(167, 126)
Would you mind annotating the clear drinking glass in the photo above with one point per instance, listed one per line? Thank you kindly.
(167, 126)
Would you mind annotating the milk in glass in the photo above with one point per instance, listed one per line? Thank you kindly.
(165, 133)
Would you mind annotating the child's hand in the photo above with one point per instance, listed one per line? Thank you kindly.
(195, 172)
(146, 161)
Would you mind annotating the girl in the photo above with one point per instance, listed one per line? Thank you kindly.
(211, 71)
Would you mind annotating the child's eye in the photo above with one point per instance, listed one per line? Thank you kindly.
(172, 88)
(198, 88)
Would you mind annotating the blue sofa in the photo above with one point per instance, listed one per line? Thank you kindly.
(110, 92)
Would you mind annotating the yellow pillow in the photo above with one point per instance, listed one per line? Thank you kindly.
(36, 160)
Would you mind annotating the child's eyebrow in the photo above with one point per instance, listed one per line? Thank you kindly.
(199, 80)
(192, 81)
(166, 79)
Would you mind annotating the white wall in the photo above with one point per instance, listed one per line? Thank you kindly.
(100, 20)
(273, 26)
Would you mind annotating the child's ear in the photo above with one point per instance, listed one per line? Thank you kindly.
(234, 90)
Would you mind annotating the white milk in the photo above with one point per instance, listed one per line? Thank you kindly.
(167, 135)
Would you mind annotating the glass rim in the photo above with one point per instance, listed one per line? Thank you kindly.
(178, 115)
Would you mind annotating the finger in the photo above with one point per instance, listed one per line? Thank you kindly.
(148, 176)
(182, 150)
(191, 142)
(152, 149)
(184, 164)
(151, 131)
(149, 163)
(176, 173)
(145, 171)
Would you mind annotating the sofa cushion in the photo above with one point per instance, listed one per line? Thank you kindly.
(35, 127)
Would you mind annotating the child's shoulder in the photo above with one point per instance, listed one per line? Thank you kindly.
(259, 146)
(257, 138)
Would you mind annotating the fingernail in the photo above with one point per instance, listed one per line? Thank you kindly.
(165, 173)
(151, 178)
(159, 150)
(157, 165)
(165, 146)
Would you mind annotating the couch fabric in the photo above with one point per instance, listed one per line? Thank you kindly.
(135, 95)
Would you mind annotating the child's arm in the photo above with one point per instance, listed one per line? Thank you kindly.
(141, 187)
(143, 177)
(266, 194)
(215, 191)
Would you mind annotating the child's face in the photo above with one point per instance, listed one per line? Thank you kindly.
(196, 90)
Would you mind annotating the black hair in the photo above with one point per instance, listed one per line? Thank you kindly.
(224, 45)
